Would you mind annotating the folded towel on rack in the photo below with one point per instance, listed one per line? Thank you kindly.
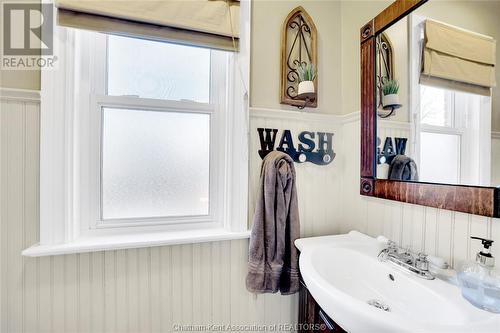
(403, 168)
(273, 258)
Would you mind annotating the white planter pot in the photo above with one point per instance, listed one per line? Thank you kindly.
(388, 100)
(382, 171)
(306, 87)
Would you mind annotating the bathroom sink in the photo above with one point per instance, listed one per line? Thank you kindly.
(363, 294)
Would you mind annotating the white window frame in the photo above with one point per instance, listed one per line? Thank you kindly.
(70, 169)
(95, 64)
(452, 129)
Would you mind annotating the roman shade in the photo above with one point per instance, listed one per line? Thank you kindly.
(206, 23)
(455, 58)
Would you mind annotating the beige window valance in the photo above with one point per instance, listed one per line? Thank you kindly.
(206, 23)
(454, 58)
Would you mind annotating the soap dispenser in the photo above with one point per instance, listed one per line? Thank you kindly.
(479, 282)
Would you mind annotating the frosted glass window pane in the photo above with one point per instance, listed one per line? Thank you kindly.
(440, 158)
(157, 70)
(154, 164)
(435, 106)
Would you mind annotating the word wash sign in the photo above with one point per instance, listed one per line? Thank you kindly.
(314, 147)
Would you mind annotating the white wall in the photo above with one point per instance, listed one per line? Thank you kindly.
(18, 79)
(435, 231)
(146, 290)
(149, 289)
(398, 36)
(495, 157)
(354, 14)
(268, 17)
(319, 187)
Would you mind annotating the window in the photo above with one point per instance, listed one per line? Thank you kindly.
(451, 138)
(436, 106)
(444, 148)
(451, 130)
(146, 127)
(147, 164)
(160, 122)
(165, 71)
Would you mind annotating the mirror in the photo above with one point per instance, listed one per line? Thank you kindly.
(437, 100)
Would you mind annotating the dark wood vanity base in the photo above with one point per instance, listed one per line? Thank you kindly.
(311, 317)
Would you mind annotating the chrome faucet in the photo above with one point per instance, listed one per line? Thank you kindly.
(414, 263)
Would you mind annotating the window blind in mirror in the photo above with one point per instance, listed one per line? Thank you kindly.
(455, 58)
(206, 23)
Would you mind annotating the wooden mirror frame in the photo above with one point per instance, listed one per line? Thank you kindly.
(467, 199)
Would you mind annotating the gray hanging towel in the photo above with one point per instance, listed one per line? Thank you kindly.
(273, 258)
(403, 168)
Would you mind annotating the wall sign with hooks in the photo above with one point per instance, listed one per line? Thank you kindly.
(314, 147)
(390, 149)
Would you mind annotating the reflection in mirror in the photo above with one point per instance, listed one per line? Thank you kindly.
(385, 67)
(442, 122)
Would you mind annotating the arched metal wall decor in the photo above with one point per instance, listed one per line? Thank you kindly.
(298, 46)
(385, 64)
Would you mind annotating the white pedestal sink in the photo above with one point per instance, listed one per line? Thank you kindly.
(344, 275)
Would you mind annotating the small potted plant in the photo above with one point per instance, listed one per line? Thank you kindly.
(390, 97)
(307, 74)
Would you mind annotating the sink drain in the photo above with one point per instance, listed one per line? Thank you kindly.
(379, 305)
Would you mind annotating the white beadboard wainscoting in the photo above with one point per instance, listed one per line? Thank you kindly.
(318, 186)
(393, 129)
(136, 290)
(151, 289)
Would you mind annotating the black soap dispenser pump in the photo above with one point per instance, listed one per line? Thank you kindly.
(484, 257)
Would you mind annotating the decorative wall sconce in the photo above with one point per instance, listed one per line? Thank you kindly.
(390, 98)
(298, 49)
(385, 73)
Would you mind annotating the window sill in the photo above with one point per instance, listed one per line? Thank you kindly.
(105, 243)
